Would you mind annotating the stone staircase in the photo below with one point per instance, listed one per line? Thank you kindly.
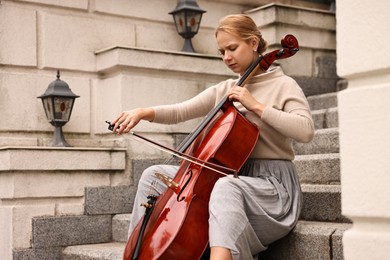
(318, 234)
(101, 232)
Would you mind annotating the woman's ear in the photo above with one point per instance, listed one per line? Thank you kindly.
(254, 43)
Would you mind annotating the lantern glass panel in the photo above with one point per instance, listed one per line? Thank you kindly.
(62, 108)
(193, 21)
(48, 107)
(180, 22)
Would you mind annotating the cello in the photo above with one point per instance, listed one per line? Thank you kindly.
(175, 224)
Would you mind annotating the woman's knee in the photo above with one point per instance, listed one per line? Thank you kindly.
(225, 188)
(149, 173)
(223, 184)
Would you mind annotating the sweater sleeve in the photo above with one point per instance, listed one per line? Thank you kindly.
(195, 107)
(294, 120)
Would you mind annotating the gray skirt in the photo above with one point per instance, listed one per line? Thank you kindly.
(252, 211)
(246, 213)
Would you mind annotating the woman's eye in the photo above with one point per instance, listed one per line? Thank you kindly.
(229, 50)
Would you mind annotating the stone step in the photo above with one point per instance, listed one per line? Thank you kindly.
(105, 200)
(308, 240)
(318, 168)
(106, 251)
(120, 226)
(322, 203)
(57, 231)
(324, 141)
(322, 101)
(325, 118)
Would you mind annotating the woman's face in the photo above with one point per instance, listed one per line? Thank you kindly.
(237, 54)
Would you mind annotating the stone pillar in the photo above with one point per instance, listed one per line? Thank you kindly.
(364, 60)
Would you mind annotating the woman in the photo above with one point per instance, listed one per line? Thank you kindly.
(263, 204)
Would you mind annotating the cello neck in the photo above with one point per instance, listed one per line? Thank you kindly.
(290, 47)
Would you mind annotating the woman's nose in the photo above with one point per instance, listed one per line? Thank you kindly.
(227, 56)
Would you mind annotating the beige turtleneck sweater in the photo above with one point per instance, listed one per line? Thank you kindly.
(286, 116)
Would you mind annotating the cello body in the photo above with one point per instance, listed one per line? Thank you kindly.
(178, 225)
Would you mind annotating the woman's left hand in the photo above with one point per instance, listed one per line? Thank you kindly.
(243, 96)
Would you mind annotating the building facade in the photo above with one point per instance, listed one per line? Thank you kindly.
(118, 55)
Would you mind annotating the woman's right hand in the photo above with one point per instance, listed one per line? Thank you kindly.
(129, 119)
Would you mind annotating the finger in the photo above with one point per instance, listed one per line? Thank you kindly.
(117, 122)
(118, 125)
(232, 97)
(119, 129)
(128, 127)
(121, 125)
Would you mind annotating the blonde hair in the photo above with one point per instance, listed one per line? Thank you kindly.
(243, 27)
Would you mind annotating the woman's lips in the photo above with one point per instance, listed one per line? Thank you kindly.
(232, 66)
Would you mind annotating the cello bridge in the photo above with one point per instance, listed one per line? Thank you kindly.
(168, 181)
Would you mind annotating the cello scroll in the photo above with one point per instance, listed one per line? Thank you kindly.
(290, 47)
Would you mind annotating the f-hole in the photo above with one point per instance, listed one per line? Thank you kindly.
(185, 185)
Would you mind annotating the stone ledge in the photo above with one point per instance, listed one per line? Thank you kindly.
(118, 57)
(64, 159)
(308, 19)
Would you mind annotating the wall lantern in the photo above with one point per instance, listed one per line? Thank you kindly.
(187, 16)
(58, 102)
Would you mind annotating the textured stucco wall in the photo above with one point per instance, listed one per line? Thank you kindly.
(364, 60)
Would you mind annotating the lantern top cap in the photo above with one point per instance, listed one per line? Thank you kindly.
(187, 5)
(58, 88)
